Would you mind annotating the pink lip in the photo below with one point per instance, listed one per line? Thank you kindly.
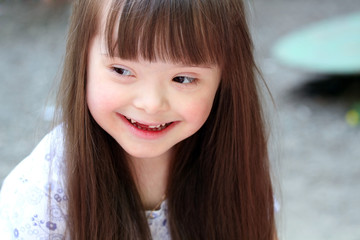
(145, 134)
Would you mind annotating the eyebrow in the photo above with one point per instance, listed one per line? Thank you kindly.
(181, 65)
(197, 66)
(105, 54)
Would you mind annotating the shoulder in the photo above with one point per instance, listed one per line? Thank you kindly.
(44, 164)
(32, 198)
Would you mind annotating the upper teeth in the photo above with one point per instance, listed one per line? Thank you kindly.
(154, 126)
(157, 126)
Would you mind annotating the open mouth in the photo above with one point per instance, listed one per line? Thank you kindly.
(154, 128)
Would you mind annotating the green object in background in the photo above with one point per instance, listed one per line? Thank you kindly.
(353, 115)
(330, 46)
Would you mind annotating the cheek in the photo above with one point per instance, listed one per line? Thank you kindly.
(96, 99)
(100, 98)
(196, 112)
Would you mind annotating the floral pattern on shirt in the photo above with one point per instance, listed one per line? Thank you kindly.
(33, 202)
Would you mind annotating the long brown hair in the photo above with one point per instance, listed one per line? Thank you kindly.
(219, 185)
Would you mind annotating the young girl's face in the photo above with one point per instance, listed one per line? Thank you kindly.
(148, 107)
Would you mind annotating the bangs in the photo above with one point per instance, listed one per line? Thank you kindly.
(168, 30)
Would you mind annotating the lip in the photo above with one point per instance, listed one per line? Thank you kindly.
(146, 134)
(144, 123)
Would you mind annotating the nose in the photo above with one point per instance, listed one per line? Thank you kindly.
(151, 99)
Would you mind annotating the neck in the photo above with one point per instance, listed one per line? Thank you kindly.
(151, 176)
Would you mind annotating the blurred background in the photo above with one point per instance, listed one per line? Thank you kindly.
(315, 131)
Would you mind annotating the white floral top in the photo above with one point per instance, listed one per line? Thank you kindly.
(26, 193)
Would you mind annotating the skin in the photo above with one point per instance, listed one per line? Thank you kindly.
(151, 93)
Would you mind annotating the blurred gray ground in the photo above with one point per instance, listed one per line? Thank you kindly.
(315, 153)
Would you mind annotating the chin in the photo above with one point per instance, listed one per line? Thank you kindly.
(146, 153)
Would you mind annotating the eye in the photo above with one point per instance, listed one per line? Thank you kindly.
(122, 71)
(184, 80)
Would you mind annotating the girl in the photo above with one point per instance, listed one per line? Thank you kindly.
(161, 133)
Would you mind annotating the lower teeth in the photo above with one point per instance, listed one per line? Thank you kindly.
(153, 129)
(150, 129)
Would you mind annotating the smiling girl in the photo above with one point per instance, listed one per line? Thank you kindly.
(161, 133)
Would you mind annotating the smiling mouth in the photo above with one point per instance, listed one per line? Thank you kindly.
(152, 128)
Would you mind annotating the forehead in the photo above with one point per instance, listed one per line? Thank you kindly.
(159, 30)
(102, 15)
